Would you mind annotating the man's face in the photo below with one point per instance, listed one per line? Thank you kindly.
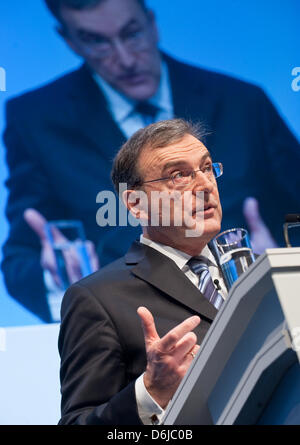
(189, 154)
(118, 40)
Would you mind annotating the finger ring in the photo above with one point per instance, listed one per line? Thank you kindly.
(192, 354)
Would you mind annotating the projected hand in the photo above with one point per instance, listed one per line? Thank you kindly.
(38, 222)
(260, 236)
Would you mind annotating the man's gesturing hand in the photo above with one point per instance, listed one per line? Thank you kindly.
(168, 358)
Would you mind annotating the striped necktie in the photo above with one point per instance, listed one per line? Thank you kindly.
(147, 111)
(206, 285)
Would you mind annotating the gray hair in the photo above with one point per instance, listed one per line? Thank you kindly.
(160, 134)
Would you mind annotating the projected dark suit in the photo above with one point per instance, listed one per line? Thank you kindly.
(60, 143)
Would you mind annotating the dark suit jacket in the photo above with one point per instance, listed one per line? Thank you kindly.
(61, 140)
(101, 340)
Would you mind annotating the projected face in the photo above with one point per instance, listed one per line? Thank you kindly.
(118, 39)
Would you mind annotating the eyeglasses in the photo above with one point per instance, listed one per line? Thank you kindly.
(183, 178)
(134, 39)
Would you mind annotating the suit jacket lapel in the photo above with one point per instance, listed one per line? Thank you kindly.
(89, 109)
(160, 271)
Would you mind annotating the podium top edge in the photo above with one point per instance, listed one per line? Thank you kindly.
(282, 251)
(288, 257)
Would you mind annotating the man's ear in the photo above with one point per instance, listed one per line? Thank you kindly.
(151, 16)
(61, 31)
(152, 19)
(136, 202)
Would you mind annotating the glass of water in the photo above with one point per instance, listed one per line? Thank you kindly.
(71, 258)
(67, 238)
(235, 254)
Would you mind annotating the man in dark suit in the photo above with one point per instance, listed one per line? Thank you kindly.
(61, 139)
(113, 371)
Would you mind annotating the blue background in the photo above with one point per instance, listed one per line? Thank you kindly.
(256, 40)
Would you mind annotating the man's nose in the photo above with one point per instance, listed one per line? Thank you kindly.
(203, 183)
(124, 56)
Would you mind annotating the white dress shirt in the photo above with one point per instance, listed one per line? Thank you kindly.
(122, 108)
(147, 407)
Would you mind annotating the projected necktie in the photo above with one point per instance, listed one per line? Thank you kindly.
(206, 285)
(147, 111)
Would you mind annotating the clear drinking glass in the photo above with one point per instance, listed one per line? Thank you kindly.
(67, 239)
(235, 254)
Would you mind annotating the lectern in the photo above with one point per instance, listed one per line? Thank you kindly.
(247, 370)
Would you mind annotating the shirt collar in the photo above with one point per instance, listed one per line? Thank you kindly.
(121, 106)
(179, 257)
